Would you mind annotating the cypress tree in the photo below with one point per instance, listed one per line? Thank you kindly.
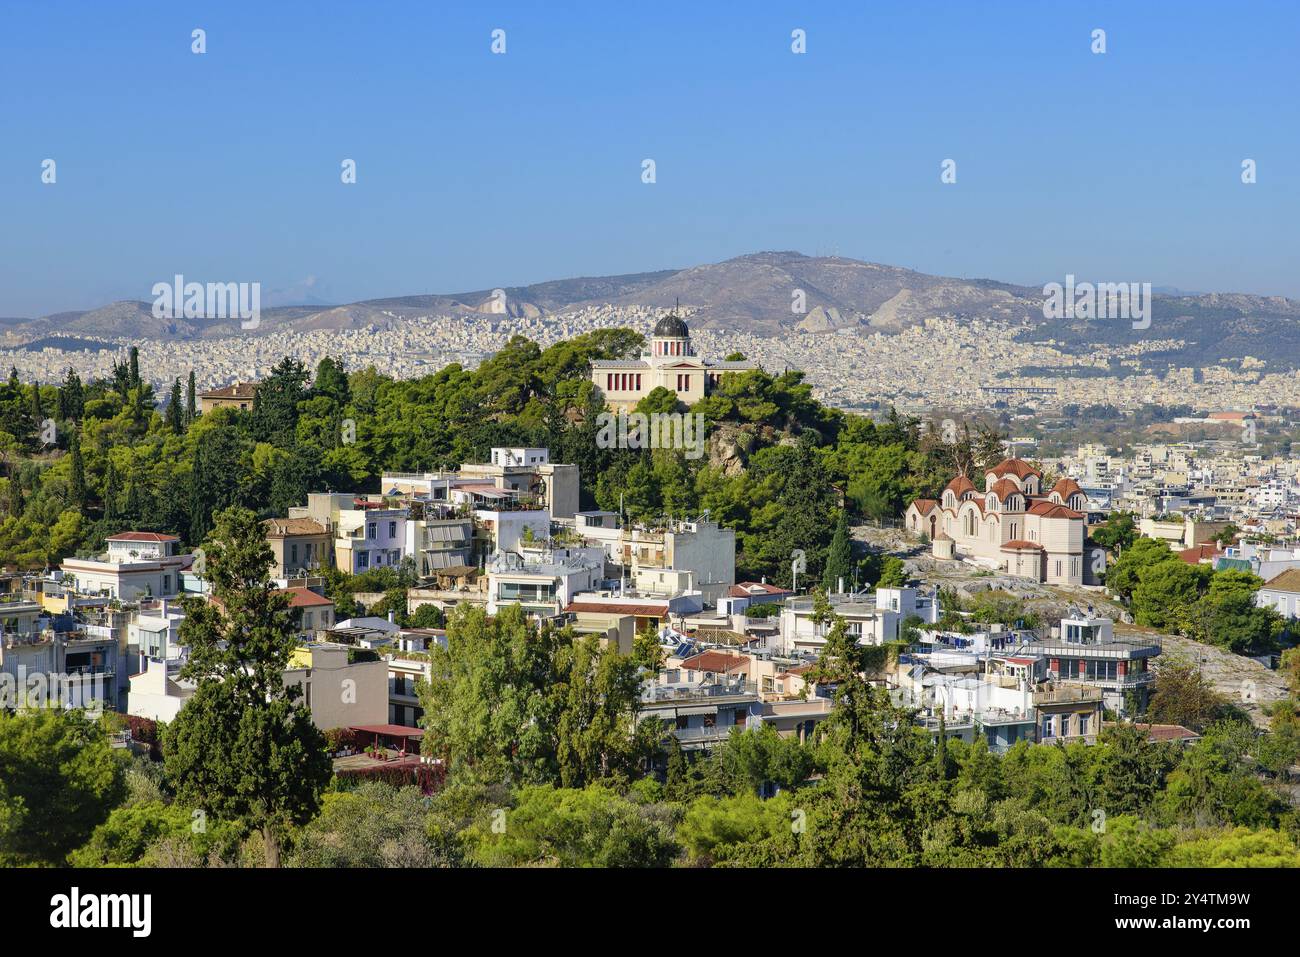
(132, 511)
(174, 418)
(72, 397)
(16, 503)
(191, 410)
(111, 492)
(78, 490)
(839, 560)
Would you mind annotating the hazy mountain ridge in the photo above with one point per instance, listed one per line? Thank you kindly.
(755, 294)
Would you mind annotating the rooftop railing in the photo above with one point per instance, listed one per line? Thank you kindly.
(1067, 694)
(718, 732)
(1134, 647)
(658, 694)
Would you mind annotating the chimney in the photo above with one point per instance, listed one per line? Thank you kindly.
(390, 616)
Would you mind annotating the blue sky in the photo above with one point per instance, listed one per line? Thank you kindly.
(478, 170)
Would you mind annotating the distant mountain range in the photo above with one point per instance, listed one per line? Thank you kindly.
(755, 294)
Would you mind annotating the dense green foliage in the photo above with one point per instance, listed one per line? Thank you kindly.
(546, 761)
(1216, 607)
(119, 462)
(513, 702)
(58, 781)
(241, 748)
(547, 769)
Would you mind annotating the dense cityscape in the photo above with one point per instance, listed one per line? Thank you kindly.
(448, 454)
(853, 368)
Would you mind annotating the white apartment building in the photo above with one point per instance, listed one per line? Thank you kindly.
(872, 619)
(339, 694)
(542, 588)
(703, 548)
(156, 633)
(136, 565)
(510, 530)
(524, 475)
(439, 544)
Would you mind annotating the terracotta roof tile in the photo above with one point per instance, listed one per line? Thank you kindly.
(1017, 467)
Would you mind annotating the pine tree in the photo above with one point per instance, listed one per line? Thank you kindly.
(839, 560)
(242, 747)
(78, 482)
(858, 713)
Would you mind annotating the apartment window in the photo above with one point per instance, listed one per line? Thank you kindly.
(1103, 670)
(392, 529)
(1047, 726)
(1058, 568)
(609, 382)
(293, 555)
(1083, 723)
(363, 560)
(526, 591)
(371, 530)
